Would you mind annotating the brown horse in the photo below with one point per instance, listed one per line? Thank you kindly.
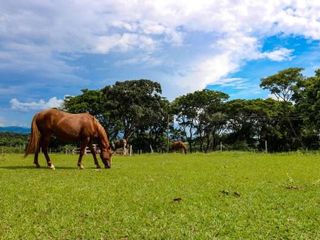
(179, 146)
(122, 143)
(81, 127)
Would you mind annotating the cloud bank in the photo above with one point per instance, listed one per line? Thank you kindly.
(35, 106)
(37, 35)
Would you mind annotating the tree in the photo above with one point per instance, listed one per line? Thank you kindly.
(134, 106)
(252, 122)
(307, 98)
(194, 112)
(240, 126)
(125, 109)
(282, 84)
(11, 139)
(90, 101)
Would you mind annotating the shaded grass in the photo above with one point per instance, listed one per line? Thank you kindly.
(230, 195)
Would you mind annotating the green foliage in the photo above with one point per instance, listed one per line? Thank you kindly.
(307, 98)
(199, 113)
(134, 106)
(135, 110)
(283, 83)
(256, 121)
(230, 195)
(90, 101)
(128, 109)
(13, 139)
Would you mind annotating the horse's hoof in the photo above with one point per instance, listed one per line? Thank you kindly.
(37, 166)
(52, 167)
(81, 167)
(98, 166)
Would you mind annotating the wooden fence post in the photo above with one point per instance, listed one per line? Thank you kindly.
(266, 146)
(151, 149)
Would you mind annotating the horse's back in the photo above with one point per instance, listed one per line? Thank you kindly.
(178, 145)
(47, 118)
(66, 125)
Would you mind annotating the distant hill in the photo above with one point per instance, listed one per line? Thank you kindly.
(15, 129)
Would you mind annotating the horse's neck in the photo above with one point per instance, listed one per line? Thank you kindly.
(104, 142)
(103, 137)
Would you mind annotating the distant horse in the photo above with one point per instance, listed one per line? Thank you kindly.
(179, 146)
(122, 143)
(81, 127)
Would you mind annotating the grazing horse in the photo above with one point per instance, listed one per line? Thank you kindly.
(179, 146)
(122, 143)
(81, 127)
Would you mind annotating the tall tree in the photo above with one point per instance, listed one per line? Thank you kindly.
(252, 122)
(193, 114)
(134, 105)
(307, 98)
(283, 85)
(90, 101)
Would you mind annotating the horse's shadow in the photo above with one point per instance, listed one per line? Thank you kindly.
(16, 167)
(41, 168)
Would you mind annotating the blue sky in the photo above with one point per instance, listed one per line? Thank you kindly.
(50, 49)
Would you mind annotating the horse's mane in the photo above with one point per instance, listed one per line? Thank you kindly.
(102, 134)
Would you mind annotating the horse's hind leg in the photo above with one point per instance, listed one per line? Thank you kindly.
(45, 145)
(36, 160)
(94, 155)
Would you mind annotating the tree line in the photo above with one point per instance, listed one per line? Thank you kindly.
(136, 111)
(9, 139)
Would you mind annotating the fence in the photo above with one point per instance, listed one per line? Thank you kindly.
(119, 151)
(87, 150)
(128, 149)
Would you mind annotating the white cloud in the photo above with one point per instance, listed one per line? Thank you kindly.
(41, 104)
(230, 54)
(237, 83)
(123, 43)
(278, 55)
(145, 59)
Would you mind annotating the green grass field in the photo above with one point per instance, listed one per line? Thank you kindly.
(230, 195)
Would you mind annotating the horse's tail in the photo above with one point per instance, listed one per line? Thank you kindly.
(33, 143)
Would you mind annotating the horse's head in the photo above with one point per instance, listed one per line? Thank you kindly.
(105, 155)
(105, 148)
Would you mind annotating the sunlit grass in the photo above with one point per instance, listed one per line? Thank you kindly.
(230, 195)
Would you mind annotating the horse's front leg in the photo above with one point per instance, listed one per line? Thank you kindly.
(94, 155)
(83, 146)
